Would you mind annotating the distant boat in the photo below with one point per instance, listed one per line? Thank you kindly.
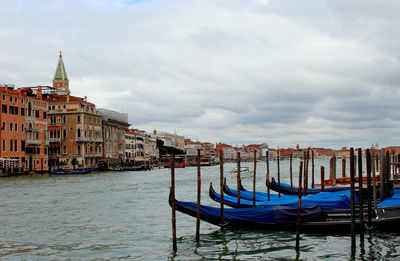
(67, 172)
(243, 169)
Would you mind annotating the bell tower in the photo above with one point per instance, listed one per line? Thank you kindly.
(60, 81)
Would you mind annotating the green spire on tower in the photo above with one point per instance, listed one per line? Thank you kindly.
(60, 74)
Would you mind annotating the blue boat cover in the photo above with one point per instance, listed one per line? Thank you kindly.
(392, 201)
(260, 196)
(286, 187)
(270, 214)
(328, 200)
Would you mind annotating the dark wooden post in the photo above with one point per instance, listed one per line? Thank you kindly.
(368, 159)
(306, 171)
(360, 190)
(198, 197)
(291, 174)
(174, 247)
(353, 210)
(299, 209)
(373, 177)
(322, 179)
(238, 179)
(221, 186)
(254, 178)
(343, 167)
(334, 170)
(383, 168)
(279, 175)
(312, 169)
(267, 162)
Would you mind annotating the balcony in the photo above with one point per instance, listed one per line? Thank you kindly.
(33, 142)
(54, 140)
(83, 139)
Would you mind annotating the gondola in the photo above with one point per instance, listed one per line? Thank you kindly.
(328, 200)
(70, 172)
(285, 189)
(313, 219)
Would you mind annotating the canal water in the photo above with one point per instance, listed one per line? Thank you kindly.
(126, 216)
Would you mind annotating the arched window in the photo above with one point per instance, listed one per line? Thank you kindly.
(79, 119)
(79, 133)
(64, 120)
(64, 134)
(79, 149)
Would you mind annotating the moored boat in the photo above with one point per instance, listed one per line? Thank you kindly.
(68, 172)
(313, 219)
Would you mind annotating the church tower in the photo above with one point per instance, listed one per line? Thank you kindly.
(60, 81)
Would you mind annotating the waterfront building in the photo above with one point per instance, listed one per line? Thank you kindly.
(36, 135)
(23, 132)
(134, 148)
(113, 131)
(75, 126)
(171, 140)
(12, 120)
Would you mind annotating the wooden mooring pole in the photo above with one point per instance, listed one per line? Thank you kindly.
(306, 172)
(312, 169)
(343, 166)
(221, 186)
(373, 178)
(238, 178)
(369, 211)
(279, 175)
(353, 208)
(322, 179)
(291, 174)
(174, 247)
(254, 178)
(198, 197)
(267, 162)
(360, 191)
(299, 209)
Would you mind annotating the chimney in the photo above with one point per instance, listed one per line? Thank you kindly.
(39, 93)
(67, 97)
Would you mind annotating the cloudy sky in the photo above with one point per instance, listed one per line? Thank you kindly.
(313, 73)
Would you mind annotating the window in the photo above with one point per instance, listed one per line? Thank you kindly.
(79, 119)
(22, 145)
(22, 127)
(16, 127)
(37, 113)
(16, 110)
(64, 120)
(64, 134)
(3, 127)
(4, 142)
(16, 145)
(49, 108)
(79, 150)
(64, 106)
(44, 115)
(11, 145)
(4, 97)
(29, 109)
(79, 133)
(10, 126)
(4, 108)
(16, 99)
(65, 150)
(11, 109)
(53, 107)
(22, 111)
(10, 99)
